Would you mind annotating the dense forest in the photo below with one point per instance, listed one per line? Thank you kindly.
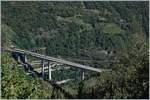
(77, 31)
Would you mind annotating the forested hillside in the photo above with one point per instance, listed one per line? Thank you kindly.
(79, 31)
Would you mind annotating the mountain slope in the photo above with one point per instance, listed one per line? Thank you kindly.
(82, 31)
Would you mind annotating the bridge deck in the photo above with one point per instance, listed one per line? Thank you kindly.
(49, 58)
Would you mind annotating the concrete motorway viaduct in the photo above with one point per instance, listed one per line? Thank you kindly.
(50, 60)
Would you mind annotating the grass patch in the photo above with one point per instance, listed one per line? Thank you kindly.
(112, 29)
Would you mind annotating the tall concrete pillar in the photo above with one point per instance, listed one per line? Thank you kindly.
(49, 71)
(42, 69)
(83, 76)
(25, 60)
(18, 59)
(76, 74)
(25, 57)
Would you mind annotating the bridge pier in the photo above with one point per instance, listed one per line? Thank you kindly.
(49, 71)
(25, 58)
(18, 59)
(83, 76)
(42, 69)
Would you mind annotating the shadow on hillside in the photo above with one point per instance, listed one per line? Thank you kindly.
(57, 88)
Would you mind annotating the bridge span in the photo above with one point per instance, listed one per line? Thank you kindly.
(52, 59)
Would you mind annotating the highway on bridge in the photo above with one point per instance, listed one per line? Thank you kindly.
(49, 58)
